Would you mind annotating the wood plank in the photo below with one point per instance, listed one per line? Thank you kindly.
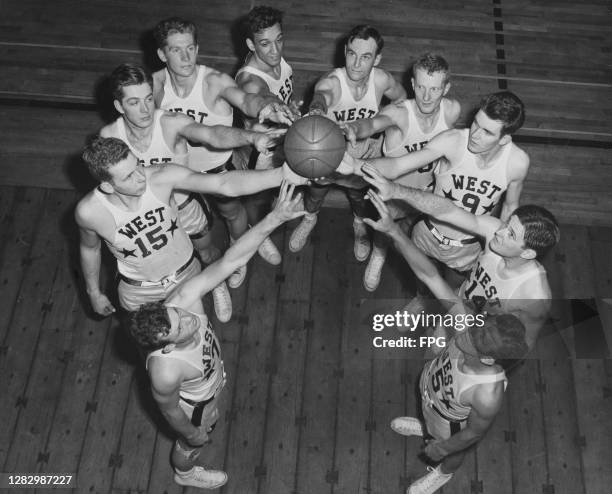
(389, 390)
(286, 387)
(529, 468)
(559, 409)
(19, 228)
(107, 405)
(592, 380)
(315, 470)
(138, 435)
(29, 313)
(49, 352)
(494, 455)
(351, 455)
(601, 243)
(74, 408)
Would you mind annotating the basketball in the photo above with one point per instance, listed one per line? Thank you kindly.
(314, 146)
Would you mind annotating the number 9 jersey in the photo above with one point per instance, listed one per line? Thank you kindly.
(149, 243)
(471, 187)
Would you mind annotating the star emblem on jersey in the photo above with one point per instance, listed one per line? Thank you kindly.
(449, 195)
(173, 226)
(128, 253)
(489, 208)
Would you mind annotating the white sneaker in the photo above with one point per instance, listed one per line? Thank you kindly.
(371, 277)
(299, 237)
(407, 426)
(268, 251)
(362, 242)
(430, 483)
(237, 277)
(222, 302)
(202, 478)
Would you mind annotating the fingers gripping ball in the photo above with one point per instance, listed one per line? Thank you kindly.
(314, 146)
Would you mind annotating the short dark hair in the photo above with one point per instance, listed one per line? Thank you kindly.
(506, 107)
(128, 74)
(510, 338)
(103, 152)
(365, 31)
(173, 25)
(431, 63)
(541, 228)
(147, 323)
(260, 18)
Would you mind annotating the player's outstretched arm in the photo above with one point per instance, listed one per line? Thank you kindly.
(165, 386)
(261, 106)
(323, 96)
(422, 266)
(394, 90)
(221, 136)
(365, 127)
(90, 248)
(439, 207)
(287, 207)
(232, 184)
(486, 403)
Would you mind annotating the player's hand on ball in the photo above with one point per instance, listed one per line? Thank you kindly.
(385, 224)
(349, 133)
(316, 111)
(288, 205)
(277, 112)
(296, 109)
(101, 304)
(263, 141)
(293, 178)
(384, 187)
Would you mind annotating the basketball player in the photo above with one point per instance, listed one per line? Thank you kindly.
(409, 125)
(507, 276)
(463, 386)
(477, 165)
(344, 95)
(134, 212)
(155, 136)
(184, 357)
(462, 391)
(265, 73)
(207, 96)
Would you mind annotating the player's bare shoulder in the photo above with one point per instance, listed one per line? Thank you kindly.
(382, 79)
(109, 130)
(452, 111)
(251, 83)
(91, 216)
(85, 211)
(519, 163)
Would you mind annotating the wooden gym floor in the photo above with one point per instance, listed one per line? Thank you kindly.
(308, 400)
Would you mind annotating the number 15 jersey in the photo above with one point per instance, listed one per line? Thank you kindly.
(149, 243)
